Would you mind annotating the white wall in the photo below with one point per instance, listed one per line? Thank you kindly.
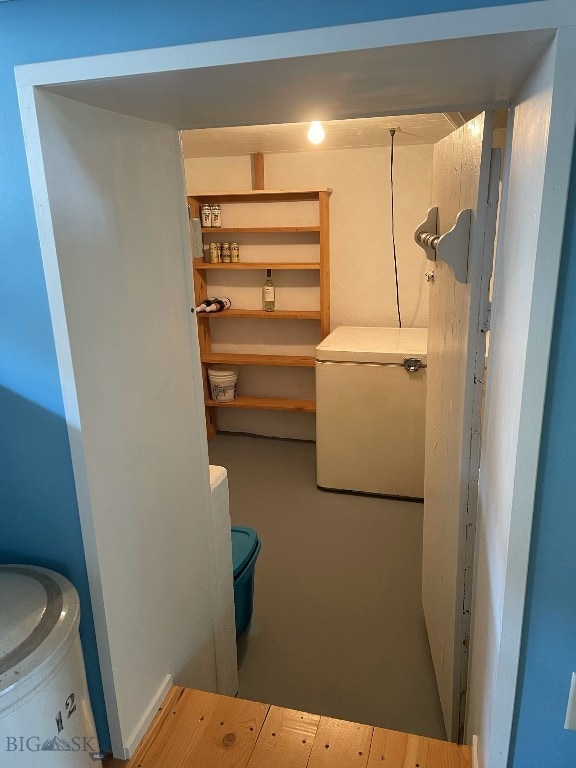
(129, 365)
(361, 264)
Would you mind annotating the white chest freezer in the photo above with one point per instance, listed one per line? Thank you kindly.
(371, 410)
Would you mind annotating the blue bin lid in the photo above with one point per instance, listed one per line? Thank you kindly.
(244, 542)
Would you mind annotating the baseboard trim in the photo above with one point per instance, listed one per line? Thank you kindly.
(147, 717)
(390, 496)
(263, 437)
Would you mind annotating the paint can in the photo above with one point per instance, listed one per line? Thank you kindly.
(213, 253)
(223, 384)
(216, 216)
(206, 215)
(225, 256)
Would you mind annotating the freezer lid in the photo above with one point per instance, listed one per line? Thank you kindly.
(348, 344)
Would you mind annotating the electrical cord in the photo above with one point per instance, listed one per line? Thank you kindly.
(392, 133)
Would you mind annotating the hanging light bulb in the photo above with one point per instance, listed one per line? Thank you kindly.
(316, 132)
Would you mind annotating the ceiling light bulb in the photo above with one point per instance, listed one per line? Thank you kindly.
(316, 132)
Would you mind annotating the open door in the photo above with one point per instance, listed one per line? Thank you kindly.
(465, 177)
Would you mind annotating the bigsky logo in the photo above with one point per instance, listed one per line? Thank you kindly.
(56, 744)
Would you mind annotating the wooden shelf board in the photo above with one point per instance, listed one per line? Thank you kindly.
(266, 403)
(216, 230)
(260, 314)
(260, 195)
(200, 264)
(289, 361)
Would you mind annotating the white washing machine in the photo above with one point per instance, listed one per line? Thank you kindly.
(371, 410)
(225, 627)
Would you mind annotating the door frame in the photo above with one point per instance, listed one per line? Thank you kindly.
(357, 37)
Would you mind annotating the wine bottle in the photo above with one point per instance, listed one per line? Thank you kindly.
(214, 304)
(268, 293)
(219, 305)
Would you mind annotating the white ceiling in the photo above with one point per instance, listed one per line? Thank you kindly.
(340, 134)
(448, 75)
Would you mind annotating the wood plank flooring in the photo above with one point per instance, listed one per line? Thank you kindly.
(195, 729)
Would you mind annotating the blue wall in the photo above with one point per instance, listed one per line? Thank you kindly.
(39, 516)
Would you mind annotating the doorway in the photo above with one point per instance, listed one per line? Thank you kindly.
(57, 122)
(360, 249)
(338, 625)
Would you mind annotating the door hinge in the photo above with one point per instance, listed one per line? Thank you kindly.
(487, 318)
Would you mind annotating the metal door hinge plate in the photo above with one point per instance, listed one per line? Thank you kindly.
(486, 324)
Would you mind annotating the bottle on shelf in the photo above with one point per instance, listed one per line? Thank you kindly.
(214, 304)
(268, 293)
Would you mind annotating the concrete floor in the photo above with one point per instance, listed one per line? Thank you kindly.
(338, 627)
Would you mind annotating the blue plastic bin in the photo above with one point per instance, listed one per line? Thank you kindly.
(245, 550)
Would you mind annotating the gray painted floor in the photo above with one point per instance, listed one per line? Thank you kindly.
(338, 627)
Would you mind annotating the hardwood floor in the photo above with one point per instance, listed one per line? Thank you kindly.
(195, 729)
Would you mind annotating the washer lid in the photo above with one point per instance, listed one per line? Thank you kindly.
(39, 610)
(348, 344)
(217, 475)
(244, 542)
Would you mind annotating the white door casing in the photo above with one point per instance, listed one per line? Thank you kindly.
(463, 169)
(536, 175)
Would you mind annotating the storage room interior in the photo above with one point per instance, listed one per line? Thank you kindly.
(379, 195)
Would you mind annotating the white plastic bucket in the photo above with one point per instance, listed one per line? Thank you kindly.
(223, 383)
(45, 714)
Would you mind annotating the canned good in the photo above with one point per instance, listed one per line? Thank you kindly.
(206, 215)
(225, 255)
(216, 215)
(213, 255)
(234, 252)
(219, 246)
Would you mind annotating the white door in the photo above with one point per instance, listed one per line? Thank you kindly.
(129, 365)
(456, 353)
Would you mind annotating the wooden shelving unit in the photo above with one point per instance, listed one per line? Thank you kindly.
(202, 270)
